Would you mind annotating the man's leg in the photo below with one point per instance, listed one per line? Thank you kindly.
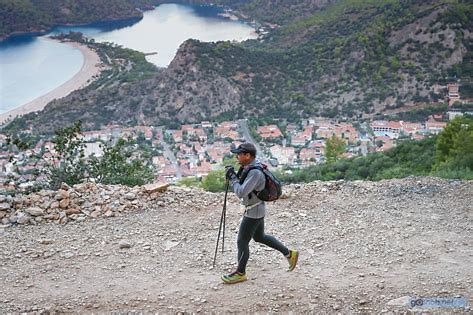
(269, 240)
(248, 227)
(291, 255)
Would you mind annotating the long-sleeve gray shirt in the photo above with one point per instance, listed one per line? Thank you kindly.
(255, 181)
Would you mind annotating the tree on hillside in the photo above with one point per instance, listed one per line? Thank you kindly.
(68, 164)
(120, 165)
(334, 147)
(454, 147)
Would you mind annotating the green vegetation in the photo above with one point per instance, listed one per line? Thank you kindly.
(417, 115)
(449, 155)
(454, 147)
(190, 181)
(119, 164)
(40, 15)
(214, 181)
(334, 148)
(345, 47)
(339, 59)
(68, 165)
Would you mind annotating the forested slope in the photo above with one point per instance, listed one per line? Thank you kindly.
(345, 59)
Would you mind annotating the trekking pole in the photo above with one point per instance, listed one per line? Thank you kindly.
(224, 213)
(222, 221)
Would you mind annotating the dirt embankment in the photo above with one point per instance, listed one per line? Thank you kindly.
(364, 247)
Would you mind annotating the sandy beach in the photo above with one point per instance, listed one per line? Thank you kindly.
(89, 69)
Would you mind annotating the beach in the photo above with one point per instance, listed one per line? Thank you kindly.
(90, 68)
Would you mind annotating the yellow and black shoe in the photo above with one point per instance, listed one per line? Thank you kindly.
(234, 277)
(292, 259)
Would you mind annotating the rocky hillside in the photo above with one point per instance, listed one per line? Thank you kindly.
(343, 59)
(365, 247)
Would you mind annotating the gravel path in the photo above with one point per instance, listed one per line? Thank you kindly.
(364, 247)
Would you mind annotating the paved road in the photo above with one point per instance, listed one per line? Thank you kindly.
(243, 124)
(168, 154)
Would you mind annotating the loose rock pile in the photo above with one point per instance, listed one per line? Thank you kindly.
(78, 203)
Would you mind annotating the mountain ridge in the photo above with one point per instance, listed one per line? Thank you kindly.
(352, 60)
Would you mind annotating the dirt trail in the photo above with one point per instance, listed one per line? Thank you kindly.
(362, 246)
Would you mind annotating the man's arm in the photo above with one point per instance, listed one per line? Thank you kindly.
(251, 181)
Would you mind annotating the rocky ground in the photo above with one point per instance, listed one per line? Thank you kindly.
(365, 247)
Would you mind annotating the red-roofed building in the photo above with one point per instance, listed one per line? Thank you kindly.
(308, 132)
(187, 128)
(387, 143)
(269, 131)
(227, 130)
(284, 155)
(411, 128)
(383, 126)
(418, 136)
(453, 93)
(291, 128)
(169, 171)
(346, 132)
(307, 154)
(298, 140)
(229, 125)
(159, 161)
(435, 127)
(206, 124)
(177, 135)
(325, 131)
(200, 134)
(318, 145)
(203, 170)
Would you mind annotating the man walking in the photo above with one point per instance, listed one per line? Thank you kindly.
(245, 184)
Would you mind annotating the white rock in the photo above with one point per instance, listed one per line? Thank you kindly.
(130, 196)
(22, 218)
(402, 301)
(124, 244)
(35, 211)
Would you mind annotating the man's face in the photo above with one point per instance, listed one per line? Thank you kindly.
(244, 158)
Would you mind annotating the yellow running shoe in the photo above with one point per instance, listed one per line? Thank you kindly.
(294, 255)
(234, 277)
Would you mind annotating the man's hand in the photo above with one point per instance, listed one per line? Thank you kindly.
(230, 172)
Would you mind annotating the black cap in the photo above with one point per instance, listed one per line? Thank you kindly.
(244, 148)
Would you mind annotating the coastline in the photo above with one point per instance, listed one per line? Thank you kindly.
(90, 68)
(42, 32)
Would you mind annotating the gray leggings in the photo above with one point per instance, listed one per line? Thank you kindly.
(254, 228)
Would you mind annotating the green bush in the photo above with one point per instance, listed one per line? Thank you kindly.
(454, 146)
(448, 155)
(119, 165)
(215, 181)
(190, 181)
(68, 165)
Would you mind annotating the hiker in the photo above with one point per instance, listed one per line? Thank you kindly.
(244, 185)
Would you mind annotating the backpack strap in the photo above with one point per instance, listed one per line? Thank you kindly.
(244, 174)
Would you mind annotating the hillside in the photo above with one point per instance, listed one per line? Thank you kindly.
(40, 15)
(366, 247)
(344, 59)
